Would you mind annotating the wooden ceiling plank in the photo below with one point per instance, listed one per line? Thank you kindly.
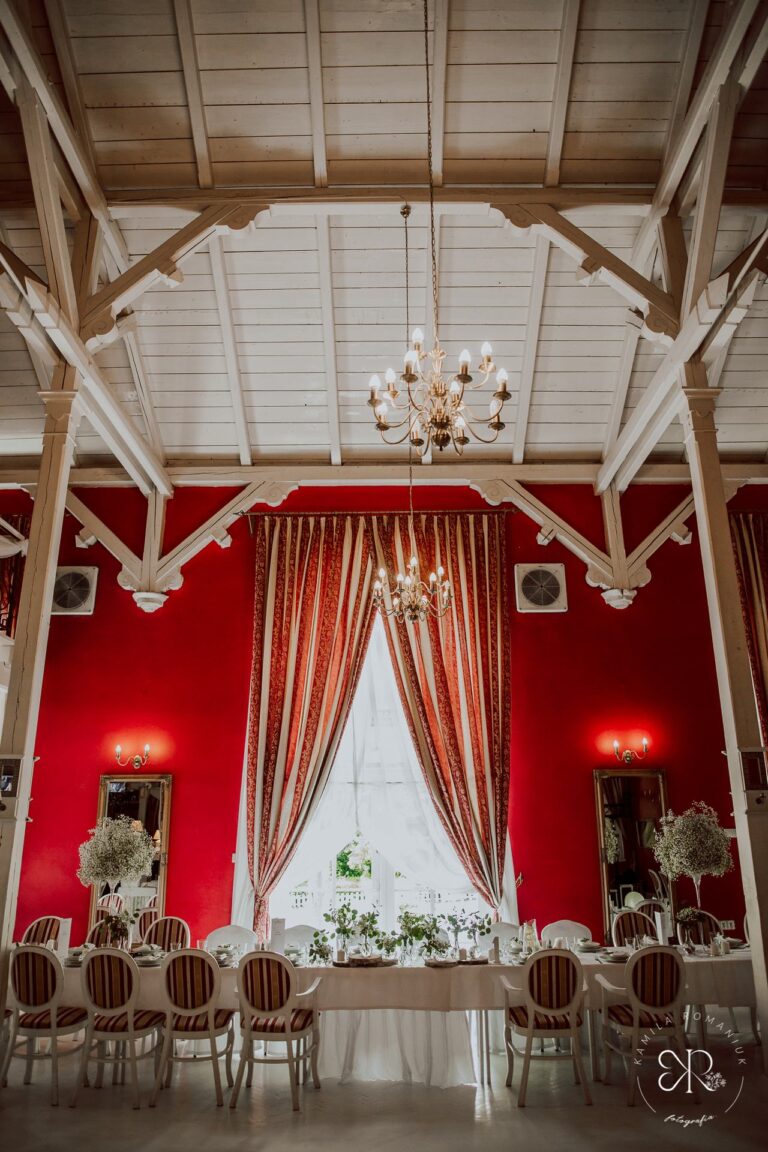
(569, 28)
(687, 72)
(532, 330)
(229, 342)
(316, 97)
(62, 46)
(129, 333)
(185, 30)
(62, 128)
(325, 270)
(681, 151)
(632, 328)
(440, 22)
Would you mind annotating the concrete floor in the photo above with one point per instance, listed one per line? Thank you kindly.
(372, 1117)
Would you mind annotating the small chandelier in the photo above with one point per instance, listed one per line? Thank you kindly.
(412, 598)
(433, 408)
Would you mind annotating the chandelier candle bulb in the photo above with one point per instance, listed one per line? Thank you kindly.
(465, 360)
(390, 378)
(417, 336)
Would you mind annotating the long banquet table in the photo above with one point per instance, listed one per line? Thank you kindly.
(411, 1023)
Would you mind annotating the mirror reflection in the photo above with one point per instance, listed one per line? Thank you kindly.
(146, 801)
(629, 804)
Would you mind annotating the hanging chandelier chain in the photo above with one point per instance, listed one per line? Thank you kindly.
(430, 169)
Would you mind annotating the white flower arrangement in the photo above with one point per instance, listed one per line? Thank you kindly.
(118, 849)
(692, 844)
(611, 841)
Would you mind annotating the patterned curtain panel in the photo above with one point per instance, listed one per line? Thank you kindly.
(312, 622)
(749, 531)
(453, 677)
(11, 572)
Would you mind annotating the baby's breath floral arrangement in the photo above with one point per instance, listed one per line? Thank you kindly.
(117, 850)
(692, 844)
(611, 841)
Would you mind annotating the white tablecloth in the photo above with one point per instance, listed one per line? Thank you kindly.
(411, 1024)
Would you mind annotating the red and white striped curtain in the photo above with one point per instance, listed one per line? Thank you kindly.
(312, 623)
(749, 531)
(453, 677)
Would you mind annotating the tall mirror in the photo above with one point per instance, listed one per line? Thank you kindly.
(629, 803)
(146, 799)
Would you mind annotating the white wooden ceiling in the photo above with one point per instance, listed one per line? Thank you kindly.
(318, 304)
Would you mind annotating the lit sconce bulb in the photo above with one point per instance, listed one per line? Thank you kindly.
(380, 410)
(495, 406)
(461, 423)
(374, 384)
(616, 746)
(382, 574)
(486, 351)
(118, 750)
(454, 387)
(465, 360)
(146, 749)
(441, 572)
(390, 377)
(432, 578)
(417, 336)
(407, 582)
(377, 586)
(413, 562)
(502, 377)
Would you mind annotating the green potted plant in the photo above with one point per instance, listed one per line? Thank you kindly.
(692, 844)
(344, 921)
(320, 951)
(367, 928)
(432, 942)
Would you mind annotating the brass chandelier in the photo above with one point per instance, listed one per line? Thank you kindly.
(433, 409)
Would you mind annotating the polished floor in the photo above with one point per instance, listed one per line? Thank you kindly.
(376, 1117)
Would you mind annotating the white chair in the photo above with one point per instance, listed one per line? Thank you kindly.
(110, 983)
(651, 1003)
(37, 980)
(566, 929)
(660, 889)
(702, 931)
(549, 1006)
(271, 1011)
(168, 933)
(244, 938)
(629, 924)
(110, 905)
(504, 932)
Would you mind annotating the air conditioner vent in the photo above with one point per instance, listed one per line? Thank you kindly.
(74, 592)
(540, 588)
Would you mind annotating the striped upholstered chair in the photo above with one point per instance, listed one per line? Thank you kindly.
(270, 1010)
(42, 930)
(99, 935)
(192, 983)
(653, 998)
(147, 917)
(110, 983)
(167, 933)
(630, 924)
(36, 980)
(111, 905)
(549, 1006)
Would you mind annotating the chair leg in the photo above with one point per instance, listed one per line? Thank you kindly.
(101, 1052)
(30, 1063)
(82, 1073)
(134, 1071)
(314, 1057)
(54, 1072)
(228, 1055)
(607, 1053)
(8, 1053)
(293, 1073)
(246, 1053)
(216, 1070)
(579, 1066)
(161, 1068)
(169, 1062)
(753, 1022)
(526, 1068)
(510, 1055)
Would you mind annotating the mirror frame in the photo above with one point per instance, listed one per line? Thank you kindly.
(165, 781)
(601, 774)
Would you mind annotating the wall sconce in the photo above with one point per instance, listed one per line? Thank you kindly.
(628, 755)
(135, 762)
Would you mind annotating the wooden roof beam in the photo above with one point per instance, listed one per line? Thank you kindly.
(569, 26)
(73, 149)
(185, 31)
(316, 98)
(532, 329)
(329, 335)
(681, 151)
(440, 19)
(229, 341)
(62, 46)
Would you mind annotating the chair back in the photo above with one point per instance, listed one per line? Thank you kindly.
(167, 932)
(99, 935)
(192, 982)
(567, 929)
(232, 934)
(553, 981)
(264, 981)
(300, 936)
(110, 905)
(504, 931)
(656, 979)
(651, 907)
(147, 918)
(630, 923)
(110, 981)
(42, 930)
(36, 977)
(152, 902)
(702, 931)
(660, 890)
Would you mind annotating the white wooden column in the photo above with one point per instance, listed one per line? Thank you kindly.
(734, 677)
(28, 661)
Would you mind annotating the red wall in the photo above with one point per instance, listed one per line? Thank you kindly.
(178, 679)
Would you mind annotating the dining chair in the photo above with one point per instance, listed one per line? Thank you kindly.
(244, 938)
(192, 983)
(651, 907)
(549, 1006)
(701, 931)
(37, 979)
(167, 933)
(660, 889)
(99, 935)
(270, 1010)
(110, 905)
(653, 998)
(629, 924)
(110, 982)
(147, 918)
(300, 936)
(565, 928)
(42, 930)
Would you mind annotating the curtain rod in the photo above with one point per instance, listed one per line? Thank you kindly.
(403, 512)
